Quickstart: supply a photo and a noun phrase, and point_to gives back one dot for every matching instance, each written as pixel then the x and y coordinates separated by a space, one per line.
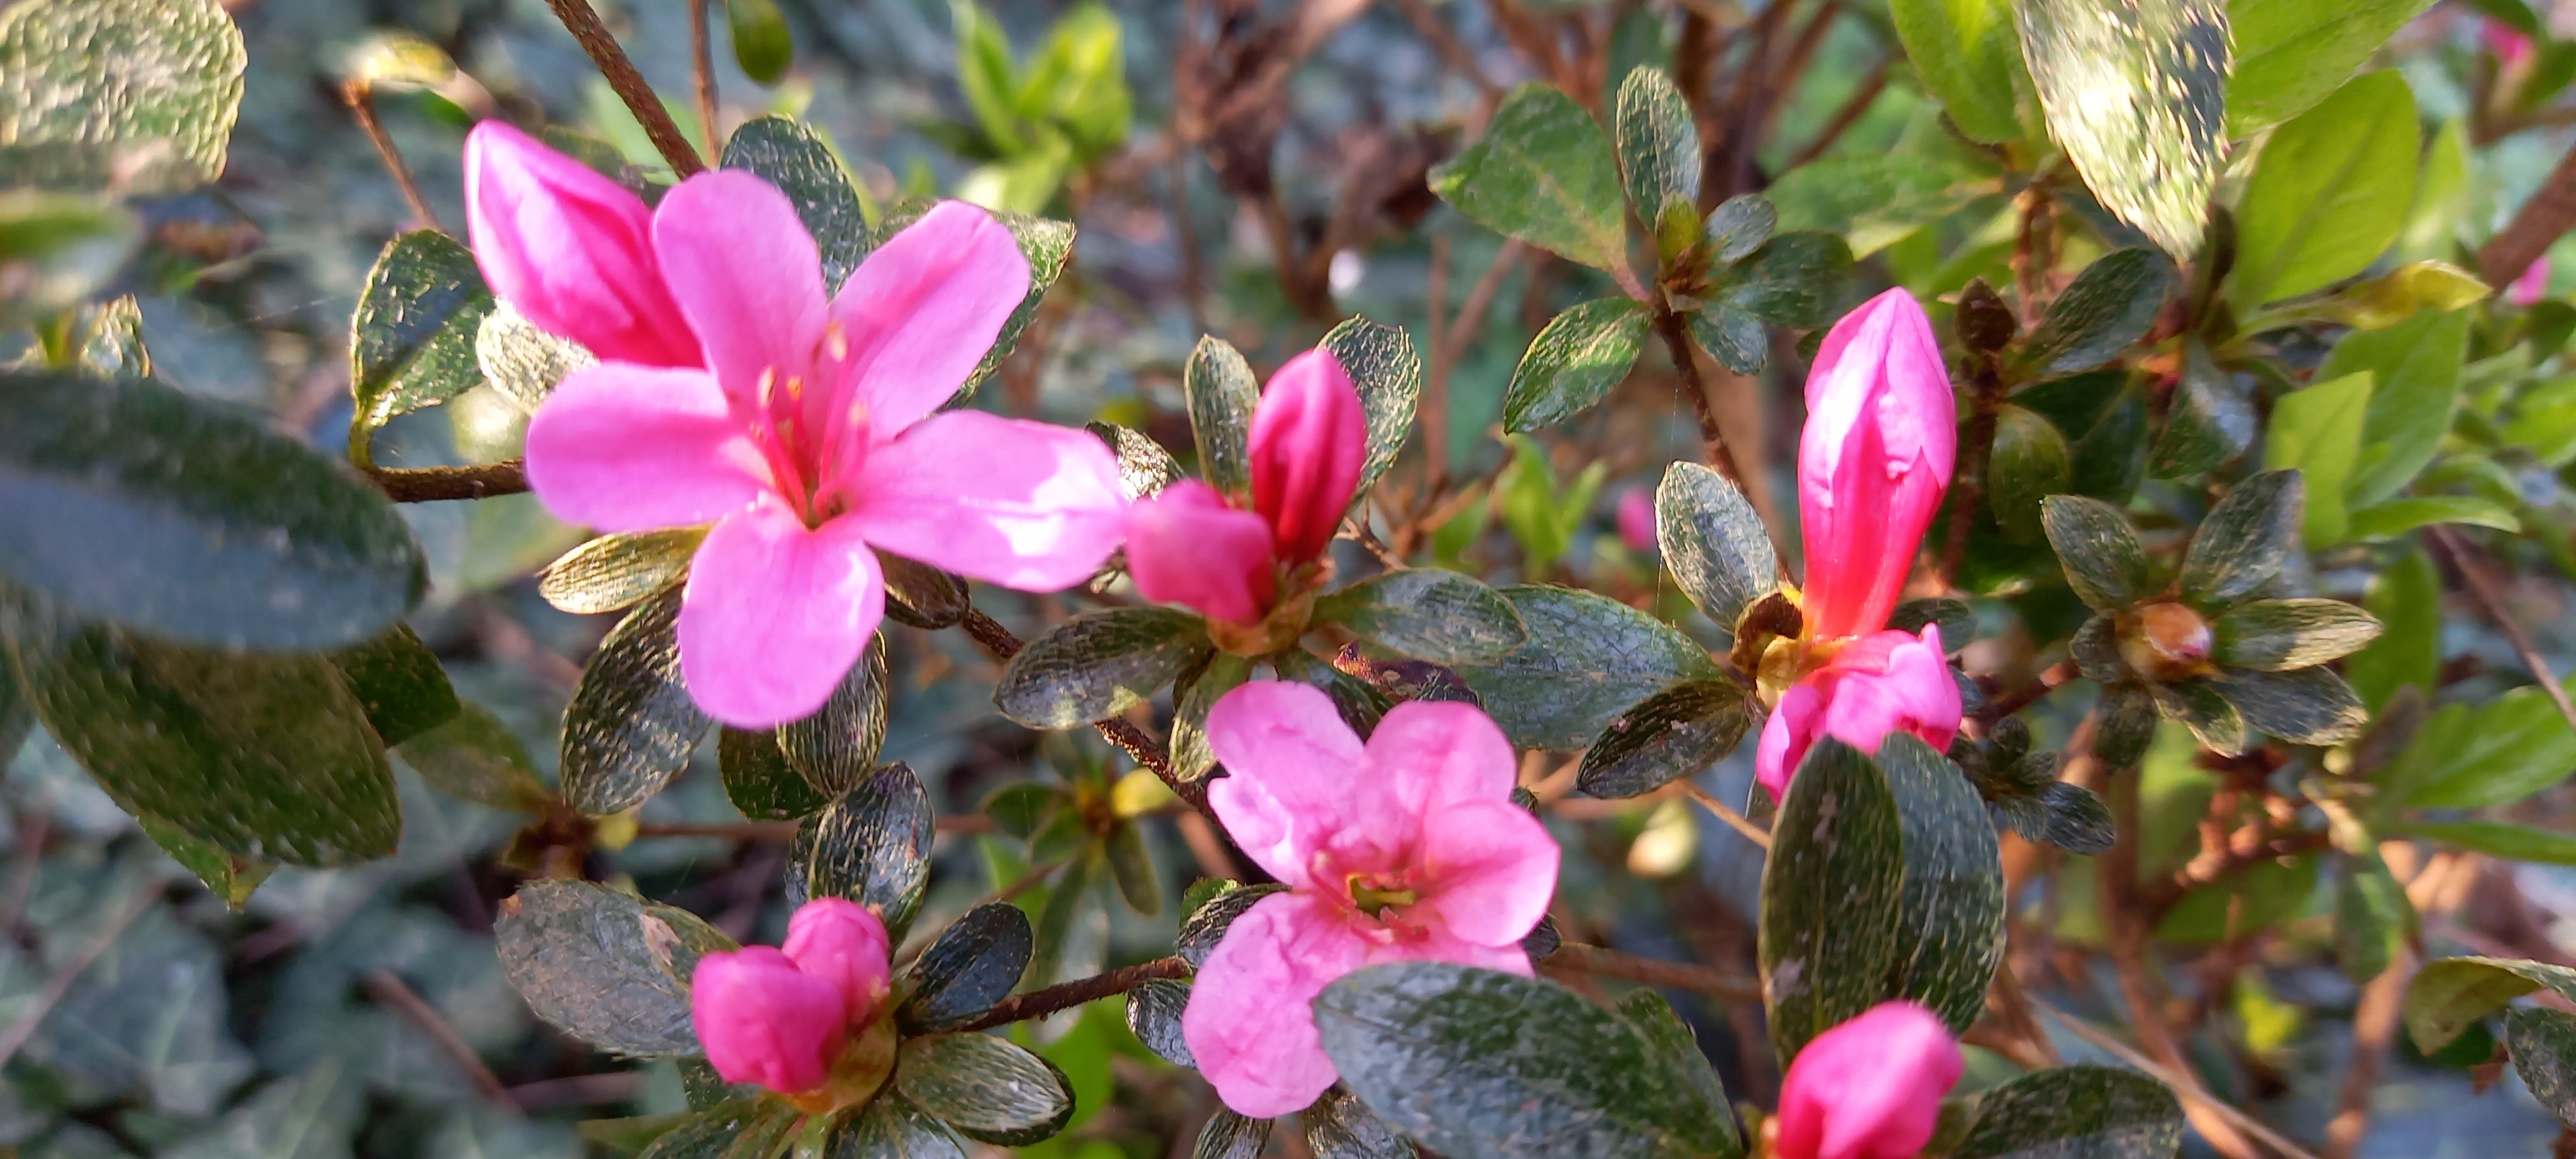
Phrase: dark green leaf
pixel 741 1129
pixel 1427 614
pixel 2277 635
pixel 1231 1136
pixel 2076 1112
pixel 229 876
pixel 2136 95
pixel 2415 379
pixel 2128 726
pixel 1387 372
pixel 2542 1043
pixel 2497 839
pixel 1956 617
pixel 1658 144
pixel 2105 563
pixel 1714 543
pixel 1678 1054
pixel 1543 173
pixel 890 1127
pixel 1739 225
pixel 477 758
pixel 1339 1126
pixel 631 725
pixel 1474 1062
pixel 1023 809
pixel 872 847
pixel 1673 734
pixel 2291 53
pixel 130 502
pixel 1730 335
pixel 1966 53
pixel 790 155
pixel 2306 706
pixel 920 595
pixel 1144 467
pixel 1950 930
pixel 2030 463
pixel 2109 306
pixel 2209 421
pixel 522 362
pixel 412 343
pixel 974 964
pixel 2243 540
pixel 2448 994
pixel 2211 717
pixel 1131 866
pixel 836 748
pixel 2406 599
pixel 758 779
pixel 1193 695
pixel 604 966
pixel 1833 892
pixel 2372 919
pixel 1206 925
pixel 614 572
pixel 2331 189
pixel 1587 658
pixel 1875 199
pixel 988 1089
pixel 1574 362
pixel 1097 664
pixel 1222 394
pixel 1154 1013
pixel 400 684
pixel 1796 280
pixel 763 47
pixel 138 93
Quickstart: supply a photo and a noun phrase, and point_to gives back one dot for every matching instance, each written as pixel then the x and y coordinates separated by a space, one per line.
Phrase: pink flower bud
pixel 1870 1088
pixel 2532 286
pixel 764 1021
pixel 2509 45
pixel 843 943
pixel 1882 431
pixel 1882 683
pixel 1637 518
pixel 572 250
pixel 1309 440
pixel 1186 547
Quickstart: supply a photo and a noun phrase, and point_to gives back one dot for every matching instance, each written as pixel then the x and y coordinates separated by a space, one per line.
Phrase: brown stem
pixel 1719 809
pixel 2029 257
pixel 1802 52
pixel 1850 114
pixel 2161 899
pixel 2049 680
pixel 999 641
pixel 1968 492
pixel 1576 958
pixel 583 23
pixel 361 99
pixel 1081 991
pixel 2550 212
pixel 2374 1028
pixel 388 990
pixel 1677 341
pixel 702 60
pixel 2180 1083
pixel 434 484
pixel 2472 567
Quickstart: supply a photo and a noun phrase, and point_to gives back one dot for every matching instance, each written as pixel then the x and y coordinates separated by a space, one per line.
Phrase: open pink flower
pixel 1870 1088
pixel 800 426
pixel 1405 847
pixel 1885 682
pixel 1192 546
pixel 1877 452
pixel 779 1017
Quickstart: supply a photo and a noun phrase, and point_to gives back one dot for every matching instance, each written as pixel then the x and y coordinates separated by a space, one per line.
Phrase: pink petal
pixel 571 249
pixel 1186 547
pixel 1250 1022
pixel 763 1021
pixel 1438 944
pixel 1870 1088
pixel 1438 753
pixel 1309 440
pixel 1490 870
pixel 1637 518
pixel 1874 458
pixel 1912 692
pixel 622 447
pixel 1011 502
pixel 747 274
pixel 922 310
pixel 844 943
pixel 2532 285
pixel 1293 775
pixel 1792 729
pixel 775 614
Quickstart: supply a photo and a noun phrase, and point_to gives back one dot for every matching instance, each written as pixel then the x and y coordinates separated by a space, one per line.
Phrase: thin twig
pixel 2550 212
pixel 1677 341
pixel 2050 679
pixel 1737 821
pixel 784 830
pixel 435 484
pixel 2029 257
pixel 1871 86
pixel 1002 644
pixel 583 23
pixel 1576 958
pixel 1968 492
pixel 361 98
pixel 2374 1028
pixel 388 990
pixel 2182 1086
pixel 702 59
pixel 61 983
pixel 1082 991
pixel 2472 568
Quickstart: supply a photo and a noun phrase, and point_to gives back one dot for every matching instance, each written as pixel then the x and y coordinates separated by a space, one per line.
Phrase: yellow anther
pixel 836 342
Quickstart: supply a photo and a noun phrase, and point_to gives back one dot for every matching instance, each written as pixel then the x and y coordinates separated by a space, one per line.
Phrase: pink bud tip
pixel 1309 440
pixel 1637 518
pixel 1870 1088
pixel 1186 547
pixel 764 1021
pixel 571 249
pixel 2508 44
pixel 1876 455
pixel 843 943
pixel 2532 286
pixel 1883 683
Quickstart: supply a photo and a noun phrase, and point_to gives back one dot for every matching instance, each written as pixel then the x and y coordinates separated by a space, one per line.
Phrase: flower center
pixel 810 449
pixel 1376 895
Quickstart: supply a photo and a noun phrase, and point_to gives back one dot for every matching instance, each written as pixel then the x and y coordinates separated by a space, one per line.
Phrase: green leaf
pixel 2244 540
pixel 974 964
pixel 130 502
pixel 1474 1062
pixel 631 725
pixel 1966 53
pixel 1427 614
pixel 737 1129
pixel 614 572
pixel 1222 394
pixel 1144 467
pixel 1677 1051
pixel 2402 293
pixel 2208 422
pixel 475 757
pixel 1950 927
pixel 2406 598
pixel 2276 635
pixel 2105 563
pixel 2395 517
pixel 2330 191
pixel 1587 658
pixel 1543 173
pixel 1154 1015
pixel 836 748
pixel 1097 664
pixel 1193 695
pixel 2415 376
pixel 1658 144
pixel 2372 919
pixel 1388 374
pixel 2075 1112
pixel 1956 617
pixel 872 847
pixel 1731 336
pixel 2108 307
pixel 988 1089
pixel 1713 542
pixel 2450 993
pixel 2317 431
pixel 412 343
pixel 762 46
pixel 2304 706
pixel 1796 279
pixel 1574 362
pixel 2136 95
pixel 1207 922
pixel 790 155
pixel 1339 1126
pixel 522 362
pixel 2542 1043
pixel 1876 199
pixel 2030 462
pixel 1833 893
pixel 1673 734
pixel 890 1127
pixel 140 94
pixel 2472 756
pixel 758 780
pixel 2291 53
pixel 1132 868
pixel 267 757
pixel 1228 1135
pixel 605 966
pixel 399 683
pixel 920 595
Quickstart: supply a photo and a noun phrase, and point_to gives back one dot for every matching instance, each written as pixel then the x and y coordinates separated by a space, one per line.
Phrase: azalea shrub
pixel 1945 578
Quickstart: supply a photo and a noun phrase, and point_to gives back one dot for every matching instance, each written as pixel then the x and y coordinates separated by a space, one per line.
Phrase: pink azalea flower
pixel 1870 1088
pixel 1406 847
pixel 2532 286
pixel 1637 518
pixel 1192 546
pixel 779 1017
pixel 801 427
pixel 1885 682
pixel 1877 452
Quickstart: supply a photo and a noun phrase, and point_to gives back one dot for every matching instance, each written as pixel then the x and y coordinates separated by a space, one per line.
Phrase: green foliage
pixel 2291 53
pixel 762 45
pixel 1833 893
pixel 2330 191
pixel 2096 1112
pixel 1574 361
pixel 1427 614
pixel 1543 172
pixel 138 93
pixel 792 156
pixel 1714 543
pixel 413 343
pixel 606 967
pixel 1968 54
pixel 2136 95
pixel 1587 658
pixel 1097 664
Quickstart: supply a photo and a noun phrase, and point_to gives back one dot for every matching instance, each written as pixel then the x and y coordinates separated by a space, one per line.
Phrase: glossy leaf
pixel 1382 364
pixel 988 1089
pixel 758 779
pixel 1833 893
pixel 2276 635
pixel 872 847
pixel 2317 432
pixel 2030 462
pixel 614 572
pixel 1228 1135
pixel 762 45
pixel 836 747
pixel 2108 307
pixel 891 1127
pixel 1797 279
pixel 2415 376
pixel 399 682
pixel 2243 541
pixel 1097 664
pixel 2075 1112
pixel 974 964
pixel 522 362
pixel 2450 993
pixel 1427 614
pixel 790 155
pixel 2306 706
pixel 1950 931
pixel 1968 54
pixel 1154 1014
pixel 2208 422
pixel 920 595
pixel 1222 393
pixel 2542 1043
pixel 1713 542
pixel 141 93
pixel 2136 95
pixel 631 726
pixel 2396 517
pixel 1193 695
pixel 1543 172
pixel 412 344
pixel 605 966
pixel 1574 362
pixel 2471 756
pixel 2330 191
pixel 1658 145
pixel 2105 563
pixel 1588 657
pixel 1144 467
pixel 1673 734
pixel 2291 53
pixel 1339 1126
pixel 477 758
